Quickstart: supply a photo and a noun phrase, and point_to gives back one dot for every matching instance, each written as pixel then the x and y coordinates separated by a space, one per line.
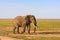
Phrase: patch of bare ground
pixel 38 33
pixel 7 38
pixel 44 33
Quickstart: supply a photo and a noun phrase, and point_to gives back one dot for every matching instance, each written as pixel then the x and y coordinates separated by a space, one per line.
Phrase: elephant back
pixel 19 20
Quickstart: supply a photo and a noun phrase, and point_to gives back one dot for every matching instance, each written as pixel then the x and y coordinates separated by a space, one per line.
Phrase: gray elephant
pixel 24 21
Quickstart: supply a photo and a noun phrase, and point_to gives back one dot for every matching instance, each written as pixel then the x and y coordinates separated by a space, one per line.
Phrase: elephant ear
pixel 28 19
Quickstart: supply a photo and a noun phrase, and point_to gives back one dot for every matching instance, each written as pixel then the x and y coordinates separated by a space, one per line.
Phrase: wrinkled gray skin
pixel 24 21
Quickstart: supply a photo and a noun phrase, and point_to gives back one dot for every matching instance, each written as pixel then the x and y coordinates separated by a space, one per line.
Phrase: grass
pixel 49 24
pixel 5 22
pixel 43 25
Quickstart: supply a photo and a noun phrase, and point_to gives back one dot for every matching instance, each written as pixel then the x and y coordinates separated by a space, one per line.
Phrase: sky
pixel 43 9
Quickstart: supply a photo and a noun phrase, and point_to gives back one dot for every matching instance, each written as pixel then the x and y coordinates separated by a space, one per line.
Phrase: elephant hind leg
pixel 14 30
pixel 16 27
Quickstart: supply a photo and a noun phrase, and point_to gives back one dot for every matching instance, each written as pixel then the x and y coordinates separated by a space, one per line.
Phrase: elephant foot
pixel 18 32
pixel 22 32
pixel 28 32
pixel 14 33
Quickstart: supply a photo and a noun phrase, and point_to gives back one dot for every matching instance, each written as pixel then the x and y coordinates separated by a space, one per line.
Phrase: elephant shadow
pixel 49 33
pixel 46 33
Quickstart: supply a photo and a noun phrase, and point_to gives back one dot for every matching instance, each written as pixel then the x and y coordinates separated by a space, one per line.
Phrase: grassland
pixel 6 27
pixel 5 22
pixel 43 24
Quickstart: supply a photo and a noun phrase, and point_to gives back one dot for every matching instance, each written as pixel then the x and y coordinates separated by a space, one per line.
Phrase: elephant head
pixel 32 19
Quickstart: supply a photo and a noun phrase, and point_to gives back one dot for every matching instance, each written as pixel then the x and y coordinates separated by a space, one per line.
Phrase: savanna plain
pixel 47 29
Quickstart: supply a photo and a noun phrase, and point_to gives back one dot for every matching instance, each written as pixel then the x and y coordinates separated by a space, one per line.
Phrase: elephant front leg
pixel 29 30
pixel 34 29
pixel 28 27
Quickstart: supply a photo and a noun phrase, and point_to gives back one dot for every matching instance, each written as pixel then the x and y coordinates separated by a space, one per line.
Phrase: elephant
pixel 24 21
